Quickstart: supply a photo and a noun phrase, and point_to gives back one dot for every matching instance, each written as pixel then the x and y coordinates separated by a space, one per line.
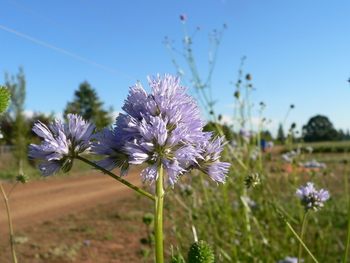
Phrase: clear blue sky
pixel 298 52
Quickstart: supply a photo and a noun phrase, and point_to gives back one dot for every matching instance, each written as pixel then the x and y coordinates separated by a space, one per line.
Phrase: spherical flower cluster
pixel 164 128
pixel 62 143
pixel 310 198
pixel 313 164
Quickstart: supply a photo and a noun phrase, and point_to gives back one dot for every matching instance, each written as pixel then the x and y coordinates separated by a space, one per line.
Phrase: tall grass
pixel 261 224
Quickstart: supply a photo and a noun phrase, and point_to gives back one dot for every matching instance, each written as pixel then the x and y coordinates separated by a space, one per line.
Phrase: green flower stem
pixel 301 236
pixel 158 220
pixel 289 226
pixel 10 224
pixel 117 178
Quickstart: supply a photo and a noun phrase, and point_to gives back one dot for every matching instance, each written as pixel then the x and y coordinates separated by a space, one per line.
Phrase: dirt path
pixel 39 201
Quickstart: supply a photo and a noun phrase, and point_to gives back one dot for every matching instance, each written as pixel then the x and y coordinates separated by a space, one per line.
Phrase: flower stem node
pixel 23 178
pixel 200 252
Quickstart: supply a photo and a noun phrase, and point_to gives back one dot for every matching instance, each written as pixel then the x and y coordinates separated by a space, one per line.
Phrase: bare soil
pixel 90 218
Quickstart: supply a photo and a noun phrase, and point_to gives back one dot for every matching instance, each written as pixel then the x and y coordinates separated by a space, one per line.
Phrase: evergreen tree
pixel 87 104
pixel 280 133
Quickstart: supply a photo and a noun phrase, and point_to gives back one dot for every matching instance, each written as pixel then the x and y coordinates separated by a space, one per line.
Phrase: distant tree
pixel 87 104
pixel 319 128
pixel 280 133
pixel 13 121
pixel 341 135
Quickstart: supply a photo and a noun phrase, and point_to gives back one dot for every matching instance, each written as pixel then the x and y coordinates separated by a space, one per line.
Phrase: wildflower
pixel 87 242
pixel 183 17
pixel 309 149
pixel 310 198
pixel 289 260
pixel 62 143
pixel 210 163
pixel 287 157
pixel 165 128
pixel 313 164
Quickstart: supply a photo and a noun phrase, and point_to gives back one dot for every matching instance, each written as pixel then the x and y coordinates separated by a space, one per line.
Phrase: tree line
pixel 15 125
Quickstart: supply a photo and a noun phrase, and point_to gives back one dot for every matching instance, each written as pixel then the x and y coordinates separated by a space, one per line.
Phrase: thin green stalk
pixel 210 210
pixel 117 178
pixel 158 220
pixel 301 236
pixel 10 224
pixel 289 226
pixel 249 107
pixel 8 196
pixel 247 219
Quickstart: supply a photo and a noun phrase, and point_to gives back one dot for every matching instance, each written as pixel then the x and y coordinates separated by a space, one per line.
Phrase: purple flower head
pixel 163 127
pixel 290 260
pixel 61 144
pixel 210 163
pixel 183 17
pixel 310 198
pixel 309 149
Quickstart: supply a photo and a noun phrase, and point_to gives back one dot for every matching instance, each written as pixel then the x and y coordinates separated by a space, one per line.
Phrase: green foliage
pixel 87 104
pixel 14 119
pixel 319 128
pixel 280 133
pixel 220 129
pixel 4 99
pixel 176 257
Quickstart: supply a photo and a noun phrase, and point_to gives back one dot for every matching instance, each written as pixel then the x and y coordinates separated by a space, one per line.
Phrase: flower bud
pixel 200 252
pixel 252 180
pixel 23 178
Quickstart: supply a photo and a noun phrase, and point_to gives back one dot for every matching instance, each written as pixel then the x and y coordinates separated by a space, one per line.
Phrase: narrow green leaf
pixel 4 99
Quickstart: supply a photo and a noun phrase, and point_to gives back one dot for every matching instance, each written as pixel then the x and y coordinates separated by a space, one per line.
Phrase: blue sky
pixel 298 52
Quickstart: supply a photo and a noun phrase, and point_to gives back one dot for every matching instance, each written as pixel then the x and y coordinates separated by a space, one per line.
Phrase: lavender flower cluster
pixel 313 164
pixel 310 198
pixel 161 128
pixel 165 128
pixel 62 143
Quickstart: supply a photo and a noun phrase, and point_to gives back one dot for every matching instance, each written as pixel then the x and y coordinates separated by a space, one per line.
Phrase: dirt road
pixel 38 201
